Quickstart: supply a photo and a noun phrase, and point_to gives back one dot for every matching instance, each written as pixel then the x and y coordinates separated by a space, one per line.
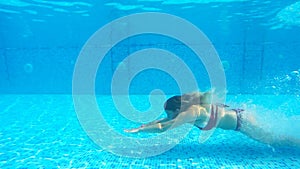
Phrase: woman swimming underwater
pixel 196 108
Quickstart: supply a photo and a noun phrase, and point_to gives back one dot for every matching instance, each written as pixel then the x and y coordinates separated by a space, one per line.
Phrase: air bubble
pixel 288 78
pixel 295 73
pixel 226 65
pixel 28 68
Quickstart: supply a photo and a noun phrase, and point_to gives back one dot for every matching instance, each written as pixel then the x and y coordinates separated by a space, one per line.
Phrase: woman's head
pixel 176 104
pixel 172 106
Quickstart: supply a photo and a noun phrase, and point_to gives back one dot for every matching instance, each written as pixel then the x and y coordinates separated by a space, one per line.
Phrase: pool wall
pixel 38 56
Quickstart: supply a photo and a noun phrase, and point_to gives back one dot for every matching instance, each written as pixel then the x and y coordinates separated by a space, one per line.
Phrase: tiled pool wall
pixel 253 68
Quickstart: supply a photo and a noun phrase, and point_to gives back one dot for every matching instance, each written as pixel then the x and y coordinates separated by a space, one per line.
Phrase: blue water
pixel 257 43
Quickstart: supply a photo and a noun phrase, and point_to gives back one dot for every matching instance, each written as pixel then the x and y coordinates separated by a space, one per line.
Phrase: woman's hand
pixel 134 130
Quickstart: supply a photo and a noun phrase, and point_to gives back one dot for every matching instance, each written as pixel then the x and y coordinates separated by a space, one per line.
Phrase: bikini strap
pixel 212 122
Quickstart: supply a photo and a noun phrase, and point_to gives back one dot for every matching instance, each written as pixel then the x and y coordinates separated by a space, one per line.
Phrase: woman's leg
pixel 256 130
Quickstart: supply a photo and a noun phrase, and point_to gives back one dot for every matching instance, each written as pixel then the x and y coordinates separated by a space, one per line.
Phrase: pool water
pixel 49 51
pixel 42 131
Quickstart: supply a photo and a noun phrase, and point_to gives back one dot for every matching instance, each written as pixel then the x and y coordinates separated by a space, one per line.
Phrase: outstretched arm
pixel 184 117
pixel 157 121
pixel 150 126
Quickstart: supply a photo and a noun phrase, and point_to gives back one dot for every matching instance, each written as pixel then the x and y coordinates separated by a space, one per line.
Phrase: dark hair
pixel 185 101
pixel 173 103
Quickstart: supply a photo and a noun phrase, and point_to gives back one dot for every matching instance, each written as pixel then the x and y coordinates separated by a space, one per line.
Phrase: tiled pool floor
pixel 43 131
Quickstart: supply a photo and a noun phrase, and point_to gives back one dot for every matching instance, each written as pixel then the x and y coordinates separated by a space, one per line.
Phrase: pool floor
pixel 43 131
